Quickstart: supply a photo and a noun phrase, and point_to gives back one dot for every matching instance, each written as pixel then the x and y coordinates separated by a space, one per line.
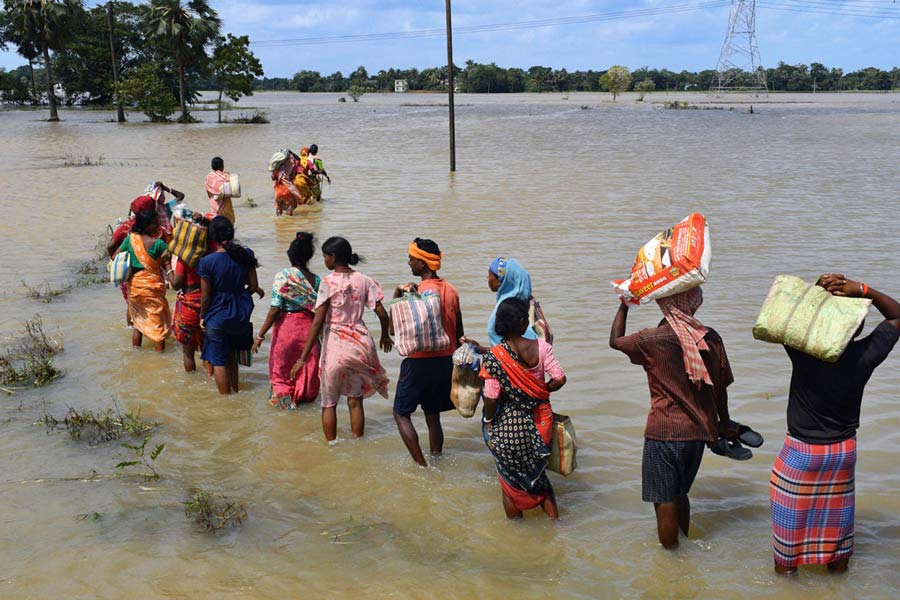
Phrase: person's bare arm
pixel 253 283
pixel 460 333
pixel 839 285
pixel 386 343
pixel 555 384
pixel 273 313
pixel 314 329
pixel 618 325
pixel 205 296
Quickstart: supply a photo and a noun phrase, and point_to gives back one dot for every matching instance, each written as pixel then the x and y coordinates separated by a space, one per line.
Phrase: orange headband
pixel 432 261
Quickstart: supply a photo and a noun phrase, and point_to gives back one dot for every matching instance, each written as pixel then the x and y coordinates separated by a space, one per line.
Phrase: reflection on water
pixel 795 188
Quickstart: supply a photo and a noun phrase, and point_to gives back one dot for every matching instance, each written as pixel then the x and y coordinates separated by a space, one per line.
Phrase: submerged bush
pixel 99 427
pixel 28 361
pixel 213 512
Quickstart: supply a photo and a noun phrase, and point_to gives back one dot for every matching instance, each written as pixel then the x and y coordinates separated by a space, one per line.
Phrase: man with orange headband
pixel 425 377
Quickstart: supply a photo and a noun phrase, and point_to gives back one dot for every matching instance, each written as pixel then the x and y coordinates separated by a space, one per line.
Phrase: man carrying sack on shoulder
pixel 813 481
pixel 220 204
pixel 425 377
pixel 688 373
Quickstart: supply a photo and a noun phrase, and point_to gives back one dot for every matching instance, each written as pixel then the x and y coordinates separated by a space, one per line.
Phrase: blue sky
pixel 690 39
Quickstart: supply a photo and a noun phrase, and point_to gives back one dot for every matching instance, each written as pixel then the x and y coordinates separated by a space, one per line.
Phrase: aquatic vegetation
pixel 99 427
pixel 250 202
pixel 259 117
pixel 28 361
pixel 142 459
pixel 45 293
pixel 84 160
pixel 678 105
pixel 213 512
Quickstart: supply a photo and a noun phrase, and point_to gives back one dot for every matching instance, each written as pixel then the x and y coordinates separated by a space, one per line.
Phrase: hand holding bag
pixel 416 319
pixel 563 446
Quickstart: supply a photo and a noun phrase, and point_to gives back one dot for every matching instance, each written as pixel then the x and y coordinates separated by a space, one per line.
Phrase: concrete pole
pixel 450 91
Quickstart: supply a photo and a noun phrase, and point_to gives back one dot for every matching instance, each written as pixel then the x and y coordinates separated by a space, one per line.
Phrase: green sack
pixel 807 318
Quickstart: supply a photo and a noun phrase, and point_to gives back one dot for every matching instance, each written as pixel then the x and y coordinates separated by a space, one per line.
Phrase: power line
pixel 422 33
pixel 880 9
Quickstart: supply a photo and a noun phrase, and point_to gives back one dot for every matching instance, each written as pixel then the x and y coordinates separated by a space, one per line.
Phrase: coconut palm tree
pixel 186 29
pixel 39 26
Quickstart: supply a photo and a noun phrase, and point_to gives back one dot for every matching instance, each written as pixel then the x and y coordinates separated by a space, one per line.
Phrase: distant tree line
pixel 490 78
pixel 154 57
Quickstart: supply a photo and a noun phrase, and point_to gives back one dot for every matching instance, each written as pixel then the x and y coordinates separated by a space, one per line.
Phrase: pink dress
pixel 349 364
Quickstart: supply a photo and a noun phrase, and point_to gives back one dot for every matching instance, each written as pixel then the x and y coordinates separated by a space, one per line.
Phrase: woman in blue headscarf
pixel 510 280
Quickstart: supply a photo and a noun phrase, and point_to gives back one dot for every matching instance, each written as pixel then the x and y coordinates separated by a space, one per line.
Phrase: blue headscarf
pixel 515 282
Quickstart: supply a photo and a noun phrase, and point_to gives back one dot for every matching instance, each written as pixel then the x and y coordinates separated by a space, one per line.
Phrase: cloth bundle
pixel 465 389
pixel 808 318
pixel 674 261
pixel 417 323
pixel 188 242
pixel 563 446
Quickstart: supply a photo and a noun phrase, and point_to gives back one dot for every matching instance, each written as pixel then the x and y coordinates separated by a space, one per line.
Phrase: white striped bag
pixel 119 268
pixel 416 319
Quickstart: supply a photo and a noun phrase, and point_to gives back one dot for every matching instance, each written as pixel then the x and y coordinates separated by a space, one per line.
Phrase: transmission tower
pixel 740 53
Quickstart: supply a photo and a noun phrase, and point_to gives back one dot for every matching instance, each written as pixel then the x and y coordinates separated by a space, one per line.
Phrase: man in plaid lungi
pixel 812 487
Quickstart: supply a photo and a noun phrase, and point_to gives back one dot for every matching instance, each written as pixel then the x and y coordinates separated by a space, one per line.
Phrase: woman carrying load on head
pixel 283 166
pixel 304 179
pixel 519 374
pixel 290 318
pixel 147 303
pixel 227 282
pixel 509 279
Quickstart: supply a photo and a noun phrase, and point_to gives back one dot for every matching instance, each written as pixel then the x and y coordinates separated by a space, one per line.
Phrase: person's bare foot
pixel 783 570
pixel 839 566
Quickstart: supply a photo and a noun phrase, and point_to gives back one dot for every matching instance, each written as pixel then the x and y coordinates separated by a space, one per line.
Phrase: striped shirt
pixel 679 411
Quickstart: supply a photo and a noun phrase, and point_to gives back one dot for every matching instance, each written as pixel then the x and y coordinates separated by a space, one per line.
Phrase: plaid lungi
pixel 812 491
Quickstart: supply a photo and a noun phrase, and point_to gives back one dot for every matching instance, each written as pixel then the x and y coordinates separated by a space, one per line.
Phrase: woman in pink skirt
pixel 349 364
pixel 290 317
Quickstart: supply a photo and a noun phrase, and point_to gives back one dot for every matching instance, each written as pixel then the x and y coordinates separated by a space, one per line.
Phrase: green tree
pixel 616 80
pixel 36 27
pixel 186 29
pixel 307 81
pixel 356 91
pixel 234 67
pixel 644 86
pixel 147 91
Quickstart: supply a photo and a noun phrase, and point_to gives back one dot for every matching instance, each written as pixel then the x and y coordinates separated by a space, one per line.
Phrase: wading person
pixel 290 317
pixel 186 315
pixel 138 205
pixel 147 303
pixel 220 204
pixel 227 282
pixel 349 364
pixel 812 485
pixel 688 373
pixel 425 377
pixel 320 171
pixel 519 375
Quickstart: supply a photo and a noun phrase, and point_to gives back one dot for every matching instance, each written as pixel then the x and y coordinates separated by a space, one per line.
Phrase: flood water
pixel 805 185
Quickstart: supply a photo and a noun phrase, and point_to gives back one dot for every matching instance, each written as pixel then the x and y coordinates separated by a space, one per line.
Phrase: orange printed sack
pixel 674 261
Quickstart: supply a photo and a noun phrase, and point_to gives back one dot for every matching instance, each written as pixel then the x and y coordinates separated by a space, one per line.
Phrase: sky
pixel 672 34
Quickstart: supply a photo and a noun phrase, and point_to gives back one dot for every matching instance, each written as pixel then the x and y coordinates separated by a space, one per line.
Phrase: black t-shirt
pixel 824 401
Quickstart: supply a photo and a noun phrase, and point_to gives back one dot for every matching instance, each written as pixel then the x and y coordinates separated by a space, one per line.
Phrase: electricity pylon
pixel 740 53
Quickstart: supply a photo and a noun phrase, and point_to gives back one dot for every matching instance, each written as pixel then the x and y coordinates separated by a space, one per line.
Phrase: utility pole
pixel 120 112
pixel 450 86
pixel 740 52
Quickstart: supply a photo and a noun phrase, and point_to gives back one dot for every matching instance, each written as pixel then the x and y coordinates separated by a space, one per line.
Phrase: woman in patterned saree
pixel 518 421
pixel 290 317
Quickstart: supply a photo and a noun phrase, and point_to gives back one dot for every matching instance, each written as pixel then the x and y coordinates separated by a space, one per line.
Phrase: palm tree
pixel 187 29
pixel 110 23
pixel 38 26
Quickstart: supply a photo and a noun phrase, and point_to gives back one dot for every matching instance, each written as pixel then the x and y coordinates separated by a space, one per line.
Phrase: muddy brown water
pixel 807 184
